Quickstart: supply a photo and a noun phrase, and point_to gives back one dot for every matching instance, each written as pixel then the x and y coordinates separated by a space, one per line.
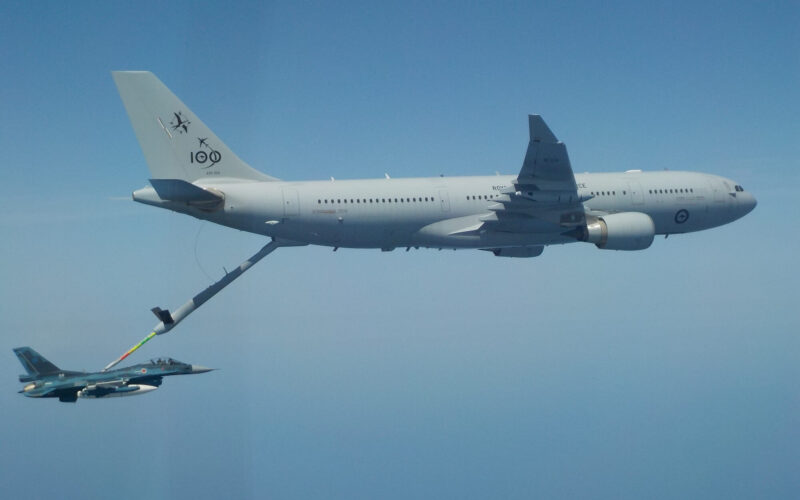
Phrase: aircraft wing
pixel 544 194
pixel 546 166
pixel 110 384
pixel 66 389
pixel 154 380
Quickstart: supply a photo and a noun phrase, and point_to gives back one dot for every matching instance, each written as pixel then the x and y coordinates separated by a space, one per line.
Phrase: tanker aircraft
pixel 195 173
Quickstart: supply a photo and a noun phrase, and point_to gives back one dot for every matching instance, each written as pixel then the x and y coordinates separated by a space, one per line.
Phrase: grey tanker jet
pixel 46 380
pixel 195 173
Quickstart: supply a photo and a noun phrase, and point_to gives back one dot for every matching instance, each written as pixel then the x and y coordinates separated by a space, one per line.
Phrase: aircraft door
pixel 720 197
pixel 291 202
pixel 637 195
pixel 444 200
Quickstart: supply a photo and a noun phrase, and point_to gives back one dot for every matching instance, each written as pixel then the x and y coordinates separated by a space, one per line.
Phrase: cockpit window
pixel 163 361
pixel 738 188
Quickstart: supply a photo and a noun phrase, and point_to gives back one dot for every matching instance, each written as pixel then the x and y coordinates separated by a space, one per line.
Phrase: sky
pixel 667 373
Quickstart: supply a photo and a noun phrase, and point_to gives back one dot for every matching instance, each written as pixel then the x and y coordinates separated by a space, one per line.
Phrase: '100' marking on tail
pixel 201 157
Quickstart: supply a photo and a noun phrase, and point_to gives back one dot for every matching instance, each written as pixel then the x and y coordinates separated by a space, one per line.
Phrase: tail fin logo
pixel 179 123
pixel 205 154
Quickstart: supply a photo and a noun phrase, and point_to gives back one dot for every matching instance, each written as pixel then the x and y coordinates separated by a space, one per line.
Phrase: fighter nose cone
pixel 200 369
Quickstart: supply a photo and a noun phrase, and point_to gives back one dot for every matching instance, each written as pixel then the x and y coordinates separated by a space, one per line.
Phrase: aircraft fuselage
pixel 438 212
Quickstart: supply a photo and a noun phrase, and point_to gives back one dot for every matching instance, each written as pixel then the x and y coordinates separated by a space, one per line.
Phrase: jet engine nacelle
pixel 622 231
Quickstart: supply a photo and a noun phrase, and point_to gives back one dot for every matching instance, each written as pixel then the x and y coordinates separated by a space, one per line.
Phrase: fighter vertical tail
pixel 34 363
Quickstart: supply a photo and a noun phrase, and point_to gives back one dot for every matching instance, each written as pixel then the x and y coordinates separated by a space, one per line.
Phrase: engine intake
pixel 623 231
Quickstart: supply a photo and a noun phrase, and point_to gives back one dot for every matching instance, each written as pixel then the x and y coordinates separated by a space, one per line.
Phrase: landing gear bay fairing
pixel 46 380
pixel 195 173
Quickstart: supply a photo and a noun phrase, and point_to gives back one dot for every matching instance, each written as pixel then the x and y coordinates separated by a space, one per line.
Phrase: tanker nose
pixel 746 201
pixel 200 369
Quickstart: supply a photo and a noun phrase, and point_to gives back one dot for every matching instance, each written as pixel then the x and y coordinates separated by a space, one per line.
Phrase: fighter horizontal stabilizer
pixel 163 315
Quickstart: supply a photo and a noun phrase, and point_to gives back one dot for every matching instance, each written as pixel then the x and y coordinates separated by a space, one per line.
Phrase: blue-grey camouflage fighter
pixel 46 380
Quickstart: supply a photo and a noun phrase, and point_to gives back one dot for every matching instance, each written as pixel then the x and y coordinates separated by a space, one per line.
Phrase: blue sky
pixel 358 374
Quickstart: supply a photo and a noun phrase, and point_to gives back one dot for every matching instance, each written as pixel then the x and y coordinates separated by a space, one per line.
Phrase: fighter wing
pixel 544 190
pixel 110 384
pixel 154 380
pixel 65 390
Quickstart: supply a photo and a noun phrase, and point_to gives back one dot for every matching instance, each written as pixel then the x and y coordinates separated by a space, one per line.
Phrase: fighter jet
pixel 46 380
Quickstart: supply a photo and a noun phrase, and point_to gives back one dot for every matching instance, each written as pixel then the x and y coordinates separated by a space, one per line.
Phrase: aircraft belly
pixel 470 232
pixel 490 240
pixel 349 230
pixel 376 231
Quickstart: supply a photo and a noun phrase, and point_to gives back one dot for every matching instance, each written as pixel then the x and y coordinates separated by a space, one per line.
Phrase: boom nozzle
pixel 163 315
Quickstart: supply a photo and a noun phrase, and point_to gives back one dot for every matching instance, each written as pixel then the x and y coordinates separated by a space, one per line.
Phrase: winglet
pixel 539 130
pixel 546 164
